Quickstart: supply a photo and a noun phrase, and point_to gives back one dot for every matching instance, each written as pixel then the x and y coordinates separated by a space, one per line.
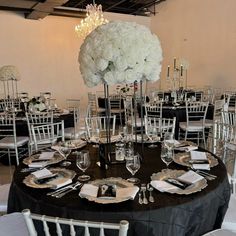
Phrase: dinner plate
pixel 62 176
pixel 183 158
pixel 34 158
pixel 118 182
pixel 169 173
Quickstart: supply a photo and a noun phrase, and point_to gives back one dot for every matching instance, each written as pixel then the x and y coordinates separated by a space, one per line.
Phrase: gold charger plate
pixel 168 173
pixel 183 159
pixel 119 182
pixel 63 175
pixel 55 159
pixel 74 144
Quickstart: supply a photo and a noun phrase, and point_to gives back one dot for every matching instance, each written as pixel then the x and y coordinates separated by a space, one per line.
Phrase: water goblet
pixel 133 165
pixel 152 134
pixel 166 157
pixel 83 162
pixel 65 152
pixel 169 141
pixel 97 137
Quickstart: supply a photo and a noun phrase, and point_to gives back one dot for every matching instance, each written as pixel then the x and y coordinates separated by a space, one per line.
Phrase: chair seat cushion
pixel 8 142
pixel 191 126
pixel 13 225
pixel 4 192
pixel 230 216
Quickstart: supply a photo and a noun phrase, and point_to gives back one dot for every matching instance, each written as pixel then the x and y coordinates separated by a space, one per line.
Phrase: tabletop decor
pixel 9 75
pixel 37 104
pixel 120 52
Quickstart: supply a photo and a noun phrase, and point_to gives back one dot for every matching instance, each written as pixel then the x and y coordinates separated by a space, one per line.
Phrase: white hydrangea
pixel 120 52
pixel 9 73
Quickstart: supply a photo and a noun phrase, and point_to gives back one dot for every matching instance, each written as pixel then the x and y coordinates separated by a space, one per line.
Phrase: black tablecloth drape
pixel 169 215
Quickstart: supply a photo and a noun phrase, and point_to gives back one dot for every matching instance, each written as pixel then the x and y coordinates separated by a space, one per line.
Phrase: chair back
pixel 196 111
pixel 47 134
pixel 162 125
pixel 92 104
pixel 115 102
pixel 101 123
pixel 122 227
pixel 218 109
pixel 229 117
pixel 153 109
pixel 73 104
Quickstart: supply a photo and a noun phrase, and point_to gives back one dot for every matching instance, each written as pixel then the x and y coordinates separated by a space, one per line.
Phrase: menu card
pixel 199 156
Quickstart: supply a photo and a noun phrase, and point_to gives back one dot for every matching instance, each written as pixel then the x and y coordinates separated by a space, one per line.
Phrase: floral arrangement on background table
pixel 120 52
pixel 9 72
pixel 37 104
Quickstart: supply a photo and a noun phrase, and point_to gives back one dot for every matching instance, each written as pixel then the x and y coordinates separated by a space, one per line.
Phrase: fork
pixel 143 189
pixel 72 188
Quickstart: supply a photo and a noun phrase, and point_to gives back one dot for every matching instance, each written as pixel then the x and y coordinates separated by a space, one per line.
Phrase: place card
pixel 191 177
pixel 199 156
pixel 46 155
pixel 42 173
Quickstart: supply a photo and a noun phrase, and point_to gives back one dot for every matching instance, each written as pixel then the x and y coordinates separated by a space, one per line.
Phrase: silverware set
pixel 143 199
pixel 206 175
pixel 65 190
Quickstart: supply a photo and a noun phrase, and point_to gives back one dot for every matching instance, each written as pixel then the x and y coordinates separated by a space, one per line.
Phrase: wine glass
pixel 169 143
pixel 83 162
pixel 133 165
pixel 165 156
pixel 152 134
pixel 97 137
pixel 65 152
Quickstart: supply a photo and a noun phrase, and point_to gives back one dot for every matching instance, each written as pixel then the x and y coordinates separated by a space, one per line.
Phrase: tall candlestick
pixel 181 70
pixel 174 63
pixel 168 71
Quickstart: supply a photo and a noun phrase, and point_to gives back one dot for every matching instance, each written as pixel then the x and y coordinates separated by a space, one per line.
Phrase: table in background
pixel 171 214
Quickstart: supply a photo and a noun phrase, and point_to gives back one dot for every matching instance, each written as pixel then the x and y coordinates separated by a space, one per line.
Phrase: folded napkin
pixel 59 182
pixel 89 190
pixel 186 148
pixel 46 155
pixel 199 156
pixel 189 177
pixel 42 173
pixel 38 164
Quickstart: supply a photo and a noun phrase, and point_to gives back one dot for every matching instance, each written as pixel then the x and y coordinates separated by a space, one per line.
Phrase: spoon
pixel 150 189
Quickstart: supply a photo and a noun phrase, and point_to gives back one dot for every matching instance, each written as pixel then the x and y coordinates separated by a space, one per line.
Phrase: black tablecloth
pixel 171 214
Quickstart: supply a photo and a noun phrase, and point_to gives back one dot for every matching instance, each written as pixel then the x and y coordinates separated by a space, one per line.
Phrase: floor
pixel 6 173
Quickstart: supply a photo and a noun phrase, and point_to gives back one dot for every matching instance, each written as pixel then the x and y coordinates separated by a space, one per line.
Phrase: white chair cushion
pixel 4 192
pixel 192 126
pixel 220 232
pixel 8 142
pixel 208 123
pixel 230 217
pixel 13 225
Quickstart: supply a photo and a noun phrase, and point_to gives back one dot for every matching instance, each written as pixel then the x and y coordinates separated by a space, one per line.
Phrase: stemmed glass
pixel 97 137
pixel 152 134
pixel 133 165
pixel 167 149
pixel 65 152
pixel 83 162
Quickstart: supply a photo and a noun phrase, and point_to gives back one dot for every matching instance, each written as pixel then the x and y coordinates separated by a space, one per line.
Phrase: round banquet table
pixel 169 215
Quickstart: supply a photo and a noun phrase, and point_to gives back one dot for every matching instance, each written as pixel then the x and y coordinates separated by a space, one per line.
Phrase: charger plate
pixel 119 182
pixel 183 159
pixel 55 159
pixel 168 173
pixel 74 144
pixel 63 175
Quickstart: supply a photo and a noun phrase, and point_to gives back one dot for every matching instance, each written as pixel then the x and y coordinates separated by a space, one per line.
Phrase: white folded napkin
pixel 188 177
pixel 42 173
pixel 59 182
pixel 46 155
pixel 186 148
pixel 195 155
pixel 191 177
pixel 38 164
pixel 89 190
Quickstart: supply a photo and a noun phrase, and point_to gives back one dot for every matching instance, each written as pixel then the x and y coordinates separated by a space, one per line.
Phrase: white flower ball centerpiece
pixel 120 52
pixel 9 73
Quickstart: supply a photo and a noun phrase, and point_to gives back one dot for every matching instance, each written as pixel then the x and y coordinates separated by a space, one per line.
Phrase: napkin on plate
pixel 89 190
pixel 188 148
pixel 42 173
pixel 188 177
pixel 38 164
pixel 199 156
pixel 46 156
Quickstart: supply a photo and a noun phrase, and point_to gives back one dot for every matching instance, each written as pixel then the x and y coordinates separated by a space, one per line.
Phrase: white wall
pixel 203 32
pixel 46 53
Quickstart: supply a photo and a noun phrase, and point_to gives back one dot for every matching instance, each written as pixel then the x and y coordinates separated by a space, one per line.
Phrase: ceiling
pixel 39 9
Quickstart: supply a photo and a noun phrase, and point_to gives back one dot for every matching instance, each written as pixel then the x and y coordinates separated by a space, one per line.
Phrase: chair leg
pixel 186 135
pixel 17 156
